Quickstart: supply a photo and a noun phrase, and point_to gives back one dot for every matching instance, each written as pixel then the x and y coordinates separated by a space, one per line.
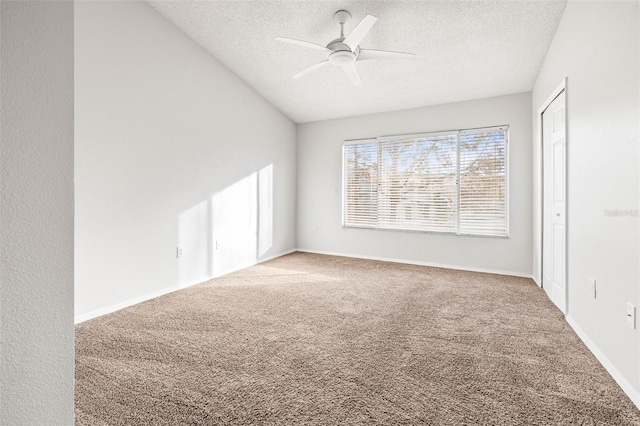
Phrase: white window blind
pixel 483 169
pixel 361 183
pixel 452 182
pixel 417 183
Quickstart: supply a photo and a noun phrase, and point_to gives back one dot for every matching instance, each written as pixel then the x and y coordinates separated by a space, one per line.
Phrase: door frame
pixel 560 90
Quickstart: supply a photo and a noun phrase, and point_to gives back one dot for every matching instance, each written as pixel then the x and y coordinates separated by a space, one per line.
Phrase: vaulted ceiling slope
pixel 465 50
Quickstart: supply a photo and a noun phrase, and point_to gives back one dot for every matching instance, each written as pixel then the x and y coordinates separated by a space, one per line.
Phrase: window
pixel 454 182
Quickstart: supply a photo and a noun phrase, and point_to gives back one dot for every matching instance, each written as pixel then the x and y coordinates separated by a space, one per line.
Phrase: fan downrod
pixel 342 17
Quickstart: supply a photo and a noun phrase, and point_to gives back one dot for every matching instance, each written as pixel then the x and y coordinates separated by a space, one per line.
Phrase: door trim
pixel 538 214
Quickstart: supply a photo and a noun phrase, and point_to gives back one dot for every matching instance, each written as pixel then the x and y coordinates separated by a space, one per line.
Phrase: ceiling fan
pixel 345 51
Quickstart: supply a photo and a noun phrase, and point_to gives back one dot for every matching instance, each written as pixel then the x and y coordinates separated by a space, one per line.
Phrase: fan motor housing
pixel 341 54
pixel 338 45
pixel 342 58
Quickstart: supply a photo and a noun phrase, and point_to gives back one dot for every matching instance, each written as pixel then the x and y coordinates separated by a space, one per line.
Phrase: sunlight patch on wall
pixel 228 231
pixel 265 209
pixel 194 239
pixel 235 212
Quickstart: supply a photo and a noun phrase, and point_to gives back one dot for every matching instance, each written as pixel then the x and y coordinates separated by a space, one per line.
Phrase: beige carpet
pixel 320 340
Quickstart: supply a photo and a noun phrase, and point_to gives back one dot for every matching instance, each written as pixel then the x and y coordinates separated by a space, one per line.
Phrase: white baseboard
pixel 413 262
pixel 627 388
pixel 126 303
pixel 282 253
pixel 134 301
pixel 536 280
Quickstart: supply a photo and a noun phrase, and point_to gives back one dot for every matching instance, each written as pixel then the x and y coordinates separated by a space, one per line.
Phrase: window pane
pixel 418 183
pixel 483 183
pixel 443 182
pixel 361 184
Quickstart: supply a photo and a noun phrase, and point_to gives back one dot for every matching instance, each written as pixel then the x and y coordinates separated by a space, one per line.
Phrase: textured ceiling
pixel 465 50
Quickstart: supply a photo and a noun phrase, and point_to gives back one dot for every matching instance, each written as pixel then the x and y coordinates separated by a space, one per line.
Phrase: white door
pixel 554 202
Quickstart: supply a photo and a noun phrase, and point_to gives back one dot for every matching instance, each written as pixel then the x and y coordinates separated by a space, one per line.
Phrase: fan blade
pixel 383 54
pixel 352 73
pixel 358 33
pixel 302 43
pixel 311 68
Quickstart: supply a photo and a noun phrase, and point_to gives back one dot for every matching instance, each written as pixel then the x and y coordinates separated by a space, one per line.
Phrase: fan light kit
pixel 345 51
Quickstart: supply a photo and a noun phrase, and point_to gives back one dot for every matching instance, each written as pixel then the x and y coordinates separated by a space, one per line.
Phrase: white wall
pixel 36 213
pixel 596 47
pixel 171 149
pixel 320 191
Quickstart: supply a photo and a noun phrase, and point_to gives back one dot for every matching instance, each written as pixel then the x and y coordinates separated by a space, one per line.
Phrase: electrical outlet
pixel 179 252
pixel 218 245
pixel 631 315
pixel 592 287
pixel 314 229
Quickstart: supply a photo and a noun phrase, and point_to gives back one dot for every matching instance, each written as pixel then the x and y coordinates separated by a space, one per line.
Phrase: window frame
pixel 457 133
pixel 344 181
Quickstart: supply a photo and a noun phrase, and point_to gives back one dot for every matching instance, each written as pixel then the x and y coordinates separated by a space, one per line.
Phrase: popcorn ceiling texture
pixel 322 340
pixel 36 211
pixel 466 50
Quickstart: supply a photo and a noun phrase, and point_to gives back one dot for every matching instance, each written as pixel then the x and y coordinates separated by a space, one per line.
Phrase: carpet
pixel 310 339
